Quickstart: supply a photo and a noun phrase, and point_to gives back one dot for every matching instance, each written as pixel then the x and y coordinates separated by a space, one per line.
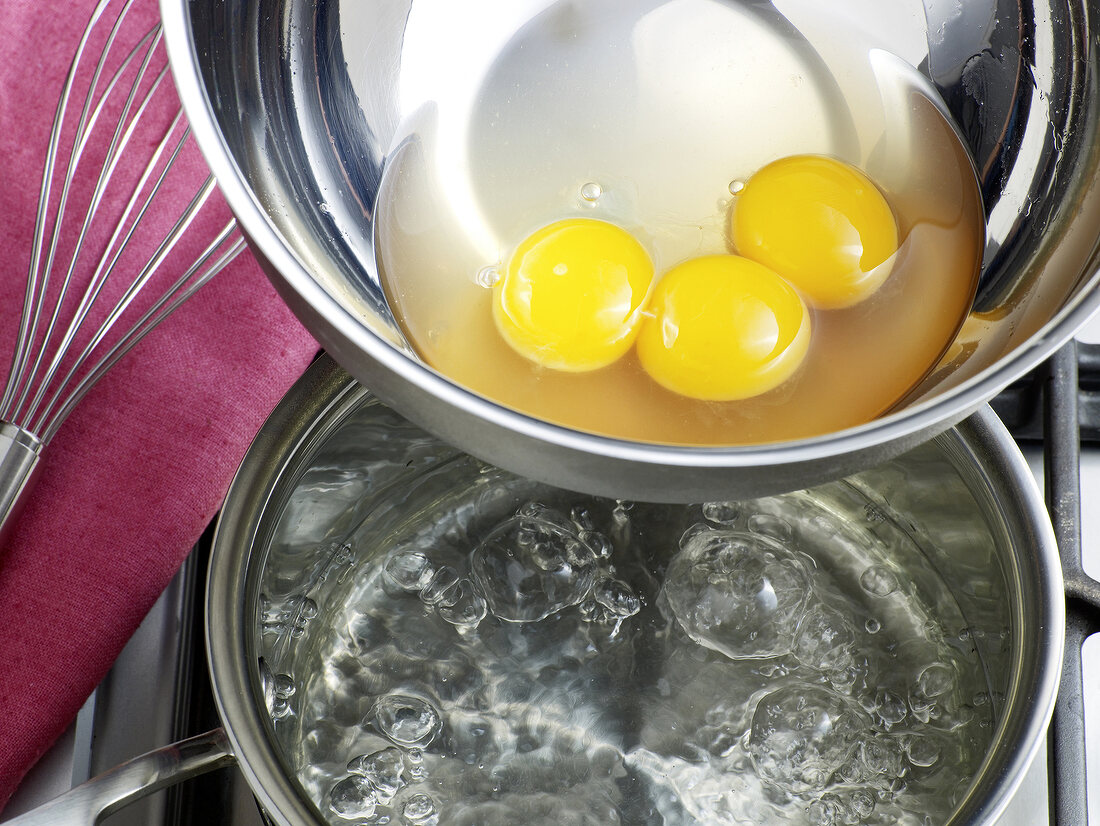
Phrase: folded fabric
pixel 140 468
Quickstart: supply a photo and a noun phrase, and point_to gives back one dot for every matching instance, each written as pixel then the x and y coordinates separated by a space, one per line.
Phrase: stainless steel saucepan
pixel 299 105
pixel 946 547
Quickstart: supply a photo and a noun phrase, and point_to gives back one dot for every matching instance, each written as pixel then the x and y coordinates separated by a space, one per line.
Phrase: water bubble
pixel 407 721
pixel 530 567
pixel 414 759
pixel 922 750
pixel 473 740
pixel 407 570
pixel 824 639
pixel 936 681
pixel 737 593
pixel 767 525
pixel 419 808
pixel 878 581
pixel 617 597
pixel 384 769
pixel 468 608
pixel 736 187
pixel 442 588
pixel 599 544
pixel 544 513
pixel 277 689
pixel 722 513
pixel 872 625
pixel 881 757
pixel 284 686
pixel 591 192
pixel 487 276
pixel 800 735
pixel 826 810
pixel 367 631
pixel 889 708
pixel 353 798
pixel 692 530
pixel 589 610
pixel 581 517
pixel 861 805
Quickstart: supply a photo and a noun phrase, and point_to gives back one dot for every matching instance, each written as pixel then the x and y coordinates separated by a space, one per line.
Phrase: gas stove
pixel 158 691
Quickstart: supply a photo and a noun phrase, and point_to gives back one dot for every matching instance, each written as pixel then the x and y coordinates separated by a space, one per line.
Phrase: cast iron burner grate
pixel 1058 405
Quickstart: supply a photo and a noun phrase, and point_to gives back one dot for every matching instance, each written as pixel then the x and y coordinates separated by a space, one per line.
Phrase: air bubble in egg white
pixel 487 276
pixel 736 187
pixel 591 192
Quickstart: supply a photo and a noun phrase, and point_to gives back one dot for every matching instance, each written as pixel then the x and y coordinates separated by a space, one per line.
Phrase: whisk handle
pixel 19 454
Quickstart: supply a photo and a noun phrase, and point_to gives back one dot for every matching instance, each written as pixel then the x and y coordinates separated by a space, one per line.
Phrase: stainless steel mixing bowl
pixel 284 572
pixel 298 134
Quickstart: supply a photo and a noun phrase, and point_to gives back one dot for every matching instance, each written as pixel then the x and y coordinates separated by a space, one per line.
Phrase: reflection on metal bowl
pixel 298 107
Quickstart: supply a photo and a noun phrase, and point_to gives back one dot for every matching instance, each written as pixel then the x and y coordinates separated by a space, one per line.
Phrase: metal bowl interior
pixel 296 105
pixel 335 481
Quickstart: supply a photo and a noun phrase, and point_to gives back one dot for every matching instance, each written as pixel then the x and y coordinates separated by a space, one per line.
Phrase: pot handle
pixel 87 803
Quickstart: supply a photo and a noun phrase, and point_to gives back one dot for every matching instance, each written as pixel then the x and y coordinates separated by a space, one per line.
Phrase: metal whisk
pixel 108 170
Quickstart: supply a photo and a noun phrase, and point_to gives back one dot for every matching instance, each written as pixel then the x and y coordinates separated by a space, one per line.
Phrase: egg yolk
pixel 571 294
pixel 721 328
pixel 821 224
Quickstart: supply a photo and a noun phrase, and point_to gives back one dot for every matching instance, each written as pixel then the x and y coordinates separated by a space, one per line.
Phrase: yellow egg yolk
pixel 571 294
pixel 721 328
pixel 821 224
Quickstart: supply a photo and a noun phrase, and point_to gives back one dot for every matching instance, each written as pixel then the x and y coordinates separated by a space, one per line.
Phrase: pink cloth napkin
pixel 141 466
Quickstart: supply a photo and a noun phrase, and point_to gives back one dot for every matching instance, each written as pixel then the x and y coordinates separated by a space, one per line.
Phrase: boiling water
pixel 650 114
pixel 494 651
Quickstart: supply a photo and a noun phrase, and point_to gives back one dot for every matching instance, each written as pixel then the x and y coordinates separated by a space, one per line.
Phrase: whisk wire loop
pixel 185 287
pixel 55 361
pixel 38 275
pixel 105 266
